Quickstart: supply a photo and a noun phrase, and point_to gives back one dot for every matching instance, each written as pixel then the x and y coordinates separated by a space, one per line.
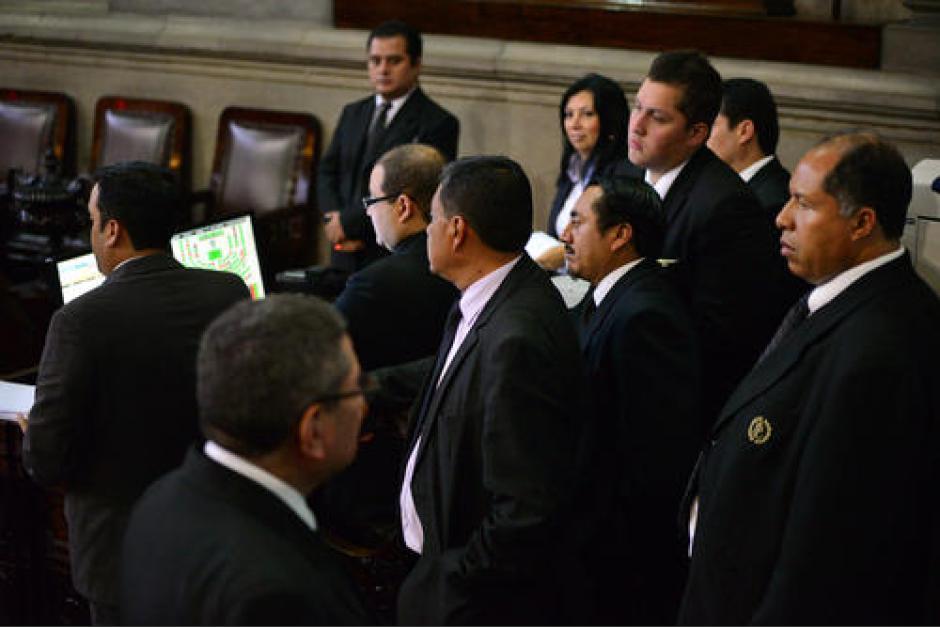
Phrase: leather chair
pixel 265 164
pixel 129 129
pixel 32 122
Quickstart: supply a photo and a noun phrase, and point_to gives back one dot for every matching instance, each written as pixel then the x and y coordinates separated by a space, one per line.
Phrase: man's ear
pixel 459 230
pixel 745 131
pixel 623 236
pixel 698 133
pixel 404 208
pixel 863 222
pixel 313 432
pixel 113 232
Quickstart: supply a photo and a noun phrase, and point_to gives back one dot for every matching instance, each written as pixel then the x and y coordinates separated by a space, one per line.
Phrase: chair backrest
pixel 31 122
pixel 264 160
pixel 130 129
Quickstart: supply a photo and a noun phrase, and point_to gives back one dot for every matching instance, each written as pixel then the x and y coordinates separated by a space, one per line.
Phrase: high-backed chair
pixel 265 163
pixel 32 122
pixel 130 129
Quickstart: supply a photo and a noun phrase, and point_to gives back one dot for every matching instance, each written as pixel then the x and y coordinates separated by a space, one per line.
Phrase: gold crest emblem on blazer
pixel 758 432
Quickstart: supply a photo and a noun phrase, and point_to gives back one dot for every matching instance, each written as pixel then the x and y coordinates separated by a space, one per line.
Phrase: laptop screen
pixel 77 276
pixel 228 245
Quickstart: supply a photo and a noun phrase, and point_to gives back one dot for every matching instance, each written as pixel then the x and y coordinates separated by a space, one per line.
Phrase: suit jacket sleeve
pixel 60 416
pixel 330 175
pixel 857 508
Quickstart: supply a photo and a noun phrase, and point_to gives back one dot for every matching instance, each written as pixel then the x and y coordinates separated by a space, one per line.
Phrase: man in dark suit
pixel 816 500
pixel 488 488
pixel 115 397
pixel 396 310
pixel 725 251
pixel 227 538
pixel 745 134
pixel 643 375
pixel 398 113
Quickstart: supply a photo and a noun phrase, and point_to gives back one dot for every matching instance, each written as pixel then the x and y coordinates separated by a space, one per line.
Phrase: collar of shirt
pixel 397 104
pixel 607 283
pixel 825 293
pixel 578 171
pixel 477 294
pixel 291 497
pixel 748 173
pixel 126 261
pixel 665 181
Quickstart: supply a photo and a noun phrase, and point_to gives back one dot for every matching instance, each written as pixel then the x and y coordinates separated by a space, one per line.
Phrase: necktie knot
pixel 795 316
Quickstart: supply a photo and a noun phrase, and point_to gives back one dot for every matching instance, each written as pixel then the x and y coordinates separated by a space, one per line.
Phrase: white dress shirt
pixel 665 181
pixel 396 105
pixel 607 283
pixel 472 301
pixel 579 177
pixel 291 497
pixel 748 173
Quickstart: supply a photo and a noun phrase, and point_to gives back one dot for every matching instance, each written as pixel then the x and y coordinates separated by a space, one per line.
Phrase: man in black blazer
pixel 227 538
pixel 815 501
pixel 493 448
pixel 398 113
pixel 643 375
pixel 726 266
pixel 115 397
pixel 396 310
pixel 745 134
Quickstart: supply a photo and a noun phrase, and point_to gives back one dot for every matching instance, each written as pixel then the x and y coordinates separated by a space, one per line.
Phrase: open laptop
pixel 227 245
pixel 78 275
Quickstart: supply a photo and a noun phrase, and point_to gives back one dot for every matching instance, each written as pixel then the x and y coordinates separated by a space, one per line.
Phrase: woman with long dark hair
pixel 594 115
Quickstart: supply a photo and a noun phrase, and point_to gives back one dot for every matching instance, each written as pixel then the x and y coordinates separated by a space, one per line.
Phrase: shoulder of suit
pixel 430 106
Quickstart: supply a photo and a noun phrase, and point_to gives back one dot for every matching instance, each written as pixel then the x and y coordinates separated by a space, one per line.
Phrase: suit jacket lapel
pixel 520 271
pixel 790 351
pixel 675 199
pixel 623 284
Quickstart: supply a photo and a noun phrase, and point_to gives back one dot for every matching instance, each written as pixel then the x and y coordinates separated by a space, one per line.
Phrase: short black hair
pixel 614 114
pixel 870 173
pixel 494 195
pixel 414 46
pixel 699 81
pixel 629 200
pixel 749 99
pixel 261 364
pixel 143 197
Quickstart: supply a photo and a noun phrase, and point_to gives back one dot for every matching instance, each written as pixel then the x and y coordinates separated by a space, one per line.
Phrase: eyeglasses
pixel 368 386
pixel 368 202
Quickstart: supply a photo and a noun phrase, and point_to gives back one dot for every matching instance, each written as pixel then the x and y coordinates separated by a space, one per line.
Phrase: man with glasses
pixel 398 113
pixel 227 538
pixel 396 311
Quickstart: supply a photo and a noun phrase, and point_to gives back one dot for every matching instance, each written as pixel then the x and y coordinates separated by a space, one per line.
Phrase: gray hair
pixel 261 364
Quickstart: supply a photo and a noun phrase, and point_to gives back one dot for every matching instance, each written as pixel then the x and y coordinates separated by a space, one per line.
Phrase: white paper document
pixel 539 242
pixel 15 398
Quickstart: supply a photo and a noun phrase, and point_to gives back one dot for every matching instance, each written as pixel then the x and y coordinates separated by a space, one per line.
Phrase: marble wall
pixel 505 93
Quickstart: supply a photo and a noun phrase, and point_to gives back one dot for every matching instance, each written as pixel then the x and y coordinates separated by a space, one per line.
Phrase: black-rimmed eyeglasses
pixel 368 386
pixel 369 201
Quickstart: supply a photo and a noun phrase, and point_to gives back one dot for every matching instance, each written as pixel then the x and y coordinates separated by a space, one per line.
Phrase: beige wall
pixel 505 94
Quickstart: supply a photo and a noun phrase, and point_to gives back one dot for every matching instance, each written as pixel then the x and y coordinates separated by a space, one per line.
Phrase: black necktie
pixel 377 128
pixel 797 314
pixel 589 308
pixel 447 341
